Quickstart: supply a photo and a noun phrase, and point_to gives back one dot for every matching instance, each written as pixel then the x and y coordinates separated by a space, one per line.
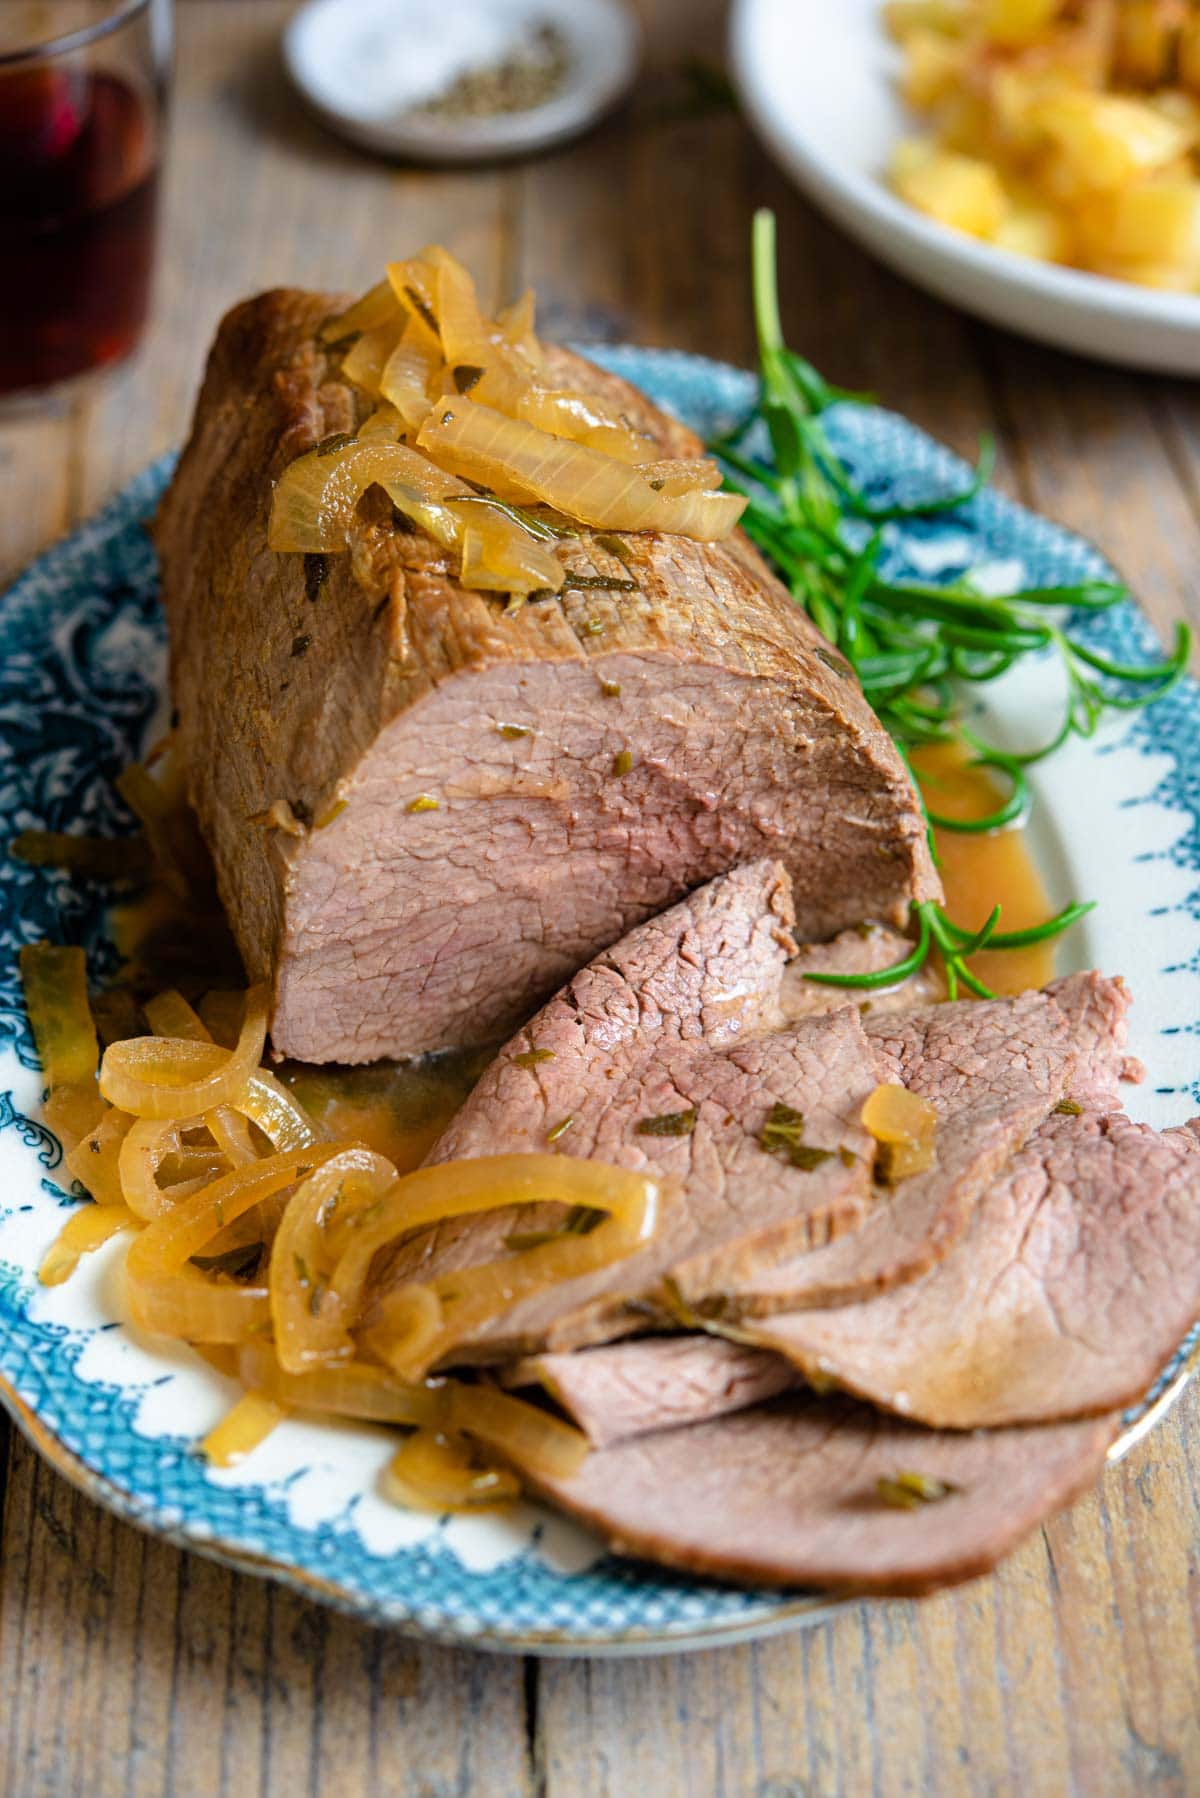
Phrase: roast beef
pixel 1075 1280
pixel 668 1053
pixel 863 949
pixel 681 1021
pixel 993 1070
pixel 788 1494
pixel 652 1383
pixel 426 814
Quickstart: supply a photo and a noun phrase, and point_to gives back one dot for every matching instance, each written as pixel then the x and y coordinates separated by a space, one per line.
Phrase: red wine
pixel 78 206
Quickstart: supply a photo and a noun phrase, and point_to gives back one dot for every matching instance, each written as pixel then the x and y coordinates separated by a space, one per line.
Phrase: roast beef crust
pixel 282 696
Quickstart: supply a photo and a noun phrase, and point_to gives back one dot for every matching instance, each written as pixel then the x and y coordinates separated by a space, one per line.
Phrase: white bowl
pixel 817 78
pixel 324 42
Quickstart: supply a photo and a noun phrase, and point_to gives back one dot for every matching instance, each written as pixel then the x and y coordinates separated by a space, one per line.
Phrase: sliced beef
pixel 787 1494
pixel 864 949
pixel 677 1027
pixel 474 803
pixel 680 1025
pixel 1075 1280
pixel 654 1383
pixel 993 1070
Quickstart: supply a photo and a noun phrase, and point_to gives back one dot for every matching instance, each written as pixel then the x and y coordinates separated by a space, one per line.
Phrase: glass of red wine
pixel 83 91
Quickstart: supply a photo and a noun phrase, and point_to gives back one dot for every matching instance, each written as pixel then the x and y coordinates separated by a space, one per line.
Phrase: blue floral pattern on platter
pixel 82 647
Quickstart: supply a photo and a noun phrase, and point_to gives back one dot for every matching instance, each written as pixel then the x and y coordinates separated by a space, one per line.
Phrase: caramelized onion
pixel 583 420
pixel 466 339
pixel 85 1230
pixel 242 1429
pixel 195 1307
pixel 682 474
pixel 146 1146
pixel 516 323
pixel 160 803
pixel 577 416
pixel 498 554
pixel 365 362
pixel 169 1014
pixel 310 1319
pixel 421 344
pixel 420 1324
pixel 55 983
pixel 154 1078
pixel 905 1127
pixel 281 1118
pixel 73 1112
pixel 95 1161
pixel 231 1133
pixel 315 499
pixel 521 463
pixel 168 1296
pixel 410 369
pixel 377 307
pixel 435 1472
pixel 531 1437
pixel 384 425
pixel 413 284
pixel 351 1389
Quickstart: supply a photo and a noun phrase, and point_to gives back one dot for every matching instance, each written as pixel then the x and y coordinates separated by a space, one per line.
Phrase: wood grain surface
pixel 126 1667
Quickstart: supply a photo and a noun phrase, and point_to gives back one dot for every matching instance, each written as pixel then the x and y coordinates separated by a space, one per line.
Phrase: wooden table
pixel 128 1667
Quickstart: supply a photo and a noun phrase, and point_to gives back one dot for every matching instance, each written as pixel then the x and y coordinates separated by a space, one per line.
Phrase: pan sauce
pixel 978 872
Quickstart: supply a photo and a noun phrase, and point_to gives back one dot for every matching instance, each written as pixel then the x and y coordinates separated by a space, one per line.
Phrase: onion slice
pixel 168 1296
pixel 516 324
pixel 95 1161
pixel 311 1321
pixel 55 983
pixel 498 554
pixel 86 1229
pixel 315 500
pixel 169 1014
pixel 682 474
pixel 145 1148
pixel 420 1324
pixel 241 1430
pixel 281 1117
pixel 377 307
pixel 519 462
pixel 155 1078
pixel 439 1473
pixel 365 363
pixel 530 1437
pixel 409 371
pixel 73 1112
pixel 351 1389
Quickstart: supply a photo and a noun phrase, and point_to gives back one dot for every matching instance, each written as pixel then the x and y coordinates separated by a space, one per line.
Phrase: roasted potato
pixel 1066 130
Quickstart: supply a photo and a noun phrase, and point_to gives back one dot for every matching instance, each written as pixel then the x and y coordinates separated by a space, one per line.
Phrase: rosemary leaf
pixel 669 1123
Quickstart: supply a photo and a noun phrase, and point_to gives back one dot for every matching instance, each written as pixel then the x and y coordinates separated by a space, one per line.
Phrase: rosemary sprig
pixel 935 930
pixel 911 643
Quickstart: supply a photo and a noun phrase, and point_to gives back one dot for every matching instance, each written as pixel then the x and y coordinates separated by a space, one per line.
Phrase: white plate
pixel 817 78
pixel 325 42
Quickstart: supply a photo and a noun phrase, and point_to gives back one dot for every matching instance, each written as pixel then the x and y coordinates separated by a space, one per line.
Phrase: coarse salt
pixel 390 57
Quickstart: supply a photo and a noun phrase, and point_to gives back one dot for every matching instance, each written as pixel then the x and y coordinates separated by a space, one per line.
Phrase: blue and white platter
pixel 82 642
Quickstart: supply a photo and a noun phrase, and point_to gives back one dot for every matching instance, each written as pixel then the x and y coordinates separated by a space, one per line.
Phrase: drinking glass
pixel 83 91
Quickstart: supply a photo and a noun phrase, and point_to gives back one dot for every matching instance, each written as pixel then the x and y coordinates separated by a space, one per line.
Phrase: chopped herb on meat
pixel 909 1491
pixel 670 1123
